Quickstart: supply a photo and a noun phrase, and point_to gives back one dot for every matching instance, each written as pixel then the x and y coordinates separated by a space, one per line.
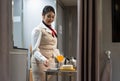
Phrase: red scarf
pixel 53 31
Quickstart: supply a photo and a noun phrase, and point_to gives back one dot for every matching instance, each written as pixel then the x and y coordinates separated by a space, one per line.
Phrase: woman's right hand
pixel 46 63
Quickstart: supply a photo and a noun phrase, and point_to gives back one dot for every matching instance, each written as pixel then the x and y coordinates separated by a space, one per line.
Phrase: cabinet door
pixel 18 66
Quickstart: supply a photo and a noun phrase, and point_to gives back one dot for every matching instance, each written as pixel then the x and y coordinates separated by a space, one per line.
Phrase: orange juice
pixel 60 58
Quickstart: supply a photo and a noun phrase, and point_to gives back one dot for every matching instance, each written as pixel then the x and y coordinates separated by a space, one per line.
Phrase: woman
pixel 44 42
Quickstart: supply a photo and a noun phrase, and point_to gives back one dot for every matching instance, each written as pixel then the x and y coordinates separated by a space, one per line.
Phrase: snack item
pixel 67 67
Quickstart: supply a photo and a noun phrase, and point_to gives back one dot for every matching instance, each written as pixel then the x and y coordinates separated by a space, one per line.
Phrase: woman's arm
pixel 35 39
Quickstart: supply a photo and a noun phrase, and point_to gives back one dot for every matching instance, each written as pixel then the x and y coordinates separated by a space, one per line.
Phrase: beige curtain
pixel 88 40
pixel 4 40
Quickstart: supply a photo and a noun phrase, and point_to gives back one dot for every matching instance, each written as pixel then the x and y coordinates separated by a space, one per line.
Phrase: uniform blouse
pixel 35 40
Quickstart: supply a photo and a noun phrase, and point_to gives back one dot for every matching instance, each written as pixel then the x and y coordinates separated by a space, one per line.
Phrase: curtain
pixel 88 40
pixel 4 41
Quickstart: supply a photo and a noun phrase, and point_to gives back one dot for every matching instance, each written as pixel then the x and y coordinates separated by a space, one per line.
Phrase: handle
pixel 108 52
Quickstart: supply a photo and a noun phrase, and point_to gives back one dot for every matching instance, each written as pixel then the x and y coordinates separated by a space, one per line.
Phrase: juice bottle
pixel 60 58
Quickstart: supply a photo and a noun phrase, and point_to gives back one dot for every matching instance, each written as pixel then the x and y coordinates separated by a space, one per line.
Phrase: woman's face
pixel 49 18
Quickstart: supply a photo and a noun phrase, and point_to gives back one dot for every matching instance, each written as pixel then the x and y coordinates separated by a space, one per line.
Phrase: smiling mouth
pixel 50 21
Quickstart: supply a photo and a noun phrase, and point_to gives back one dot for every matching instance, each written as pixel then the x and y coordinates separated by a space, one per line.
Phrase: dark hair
pixel 47 9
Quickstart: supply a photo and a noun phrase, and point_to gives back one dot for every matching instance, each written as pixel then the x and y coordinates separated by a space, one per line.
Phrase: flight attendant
pixel 44 45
